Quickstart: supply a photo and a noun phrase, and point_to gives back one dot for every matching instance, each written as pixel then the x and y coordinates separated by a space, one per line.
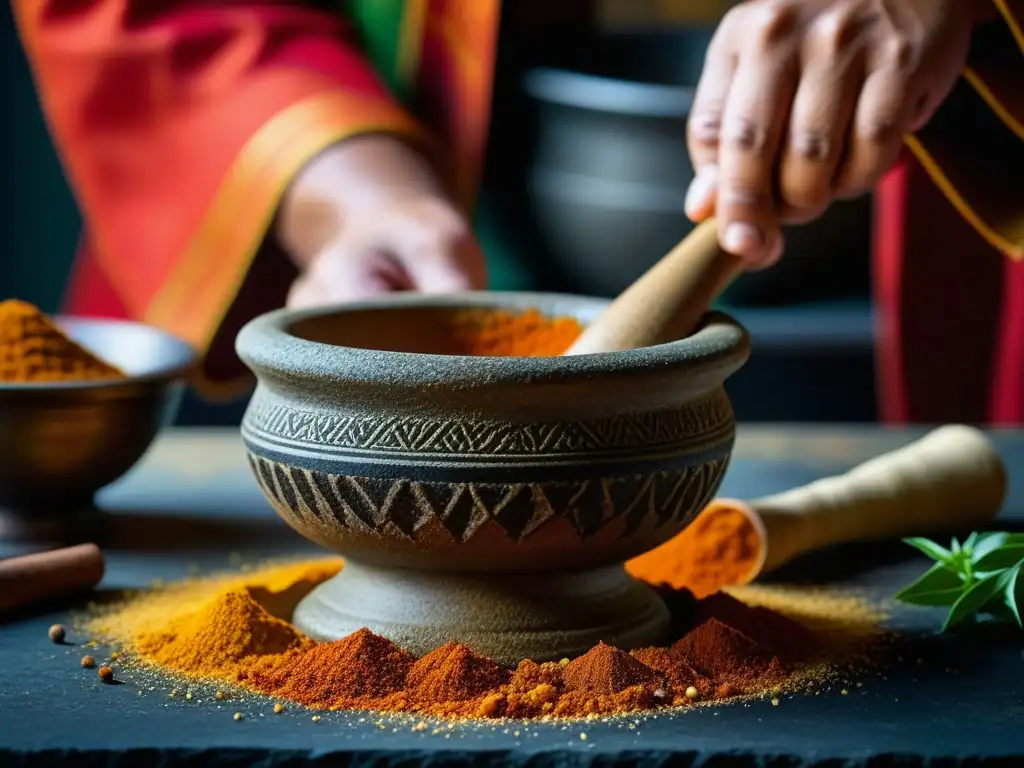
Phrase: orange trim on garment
pixel 1000 111
pixel 460 48
pixel 978 83
pixel 1010 17
pixel 197 294
pixel 1014 250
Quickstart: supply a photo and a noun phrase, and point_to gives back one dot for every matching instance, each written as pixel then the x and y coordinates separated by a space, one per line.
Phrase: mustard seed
pixel 57 633
pixel 88 662
pixel 106 674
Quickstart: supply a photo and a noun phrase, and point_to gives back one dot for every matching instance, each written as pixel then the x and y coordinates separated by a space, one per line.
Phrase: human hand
pixel 805 101
pixel 369 217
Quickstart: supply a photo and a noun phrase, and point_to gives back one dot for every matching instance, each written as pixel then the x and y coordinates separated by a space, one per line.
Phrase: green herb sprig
pixel 979 577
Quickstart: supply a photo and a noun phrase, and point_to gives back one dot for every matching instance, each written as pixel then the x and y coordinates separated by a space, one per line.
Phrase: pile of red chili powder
pixel 234 629
pixel 729 649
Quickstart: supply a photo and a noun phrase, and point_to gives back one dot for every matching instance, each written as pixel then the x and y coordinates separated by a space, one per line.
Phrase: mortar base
pixel 507 617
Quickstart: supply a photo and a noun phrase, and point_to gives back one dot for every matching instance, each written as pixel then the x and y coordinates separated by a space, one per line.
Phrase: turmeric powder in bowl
pixel 33 349
pixel 81 399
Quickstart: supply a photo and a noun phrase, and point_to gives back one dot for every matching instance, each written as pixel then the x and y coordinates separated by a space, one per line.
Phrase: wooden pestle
pixel 667 302
pixel 951 479
pixel 33 578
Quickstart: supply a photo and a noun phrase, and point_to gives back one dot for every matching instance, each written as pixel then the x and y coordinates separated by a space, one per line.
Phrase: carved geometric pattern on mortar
pixel 697 425
pixel 399 507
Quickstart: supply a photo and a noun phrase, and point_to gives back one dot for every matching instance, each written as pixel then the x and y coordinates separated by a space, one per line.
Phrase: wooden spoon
pixel 667 302
pixel 952 479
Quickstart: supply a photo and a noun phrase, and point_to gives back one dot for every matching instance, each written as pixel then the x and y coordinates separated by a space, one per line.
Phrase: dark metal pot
pixel 611 171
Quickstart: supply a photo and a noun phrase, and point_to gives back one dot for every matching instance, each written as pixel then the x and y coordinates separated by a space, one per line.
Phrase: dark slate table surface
pixel 192 503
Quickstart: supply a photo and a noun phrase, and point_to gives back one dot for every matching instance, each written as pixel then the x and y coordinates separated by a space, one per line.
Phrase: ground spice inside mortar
pixel 512 334
pixel 234 629
pixel 33 349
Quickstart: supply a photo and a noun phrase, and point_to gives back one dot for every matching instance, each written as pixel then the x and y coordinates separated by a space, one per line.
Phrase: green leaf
pixel 971 541
pixel 937 586
pixel 930 548
pixel 1013 593
pixel 1006 556
pixel 974 598
pixel 954 546
pixel 986 543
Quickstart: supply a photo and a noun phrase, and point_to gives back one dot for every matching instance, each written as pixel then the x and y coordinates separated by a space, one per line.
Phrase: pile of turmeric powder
pixel 33 349
pixel 234 629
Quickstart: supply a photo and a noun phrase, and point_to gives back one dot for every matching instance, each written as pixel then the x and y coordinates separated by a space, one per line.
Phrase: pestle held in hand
pixel 668 301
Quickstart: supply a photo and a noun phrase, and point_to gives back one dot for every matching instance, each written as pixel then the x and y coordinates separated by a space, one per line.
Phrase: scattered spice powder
pixel 33 349
pixel 233 628
pixel 721 548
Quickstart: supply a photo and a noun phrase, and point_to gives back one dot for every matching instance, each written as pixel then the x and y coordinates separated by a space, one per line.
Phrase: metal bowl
pixel 489 500
pixel 61 442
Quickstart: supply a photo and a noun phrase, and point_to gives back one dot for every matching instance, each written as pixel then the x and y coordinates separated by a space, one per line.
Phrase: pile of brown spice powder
pixel 234 629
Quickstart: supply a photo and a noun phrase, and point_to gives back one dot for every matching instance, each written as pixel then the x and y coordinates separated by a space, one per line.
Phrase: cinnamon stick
pixel 32 578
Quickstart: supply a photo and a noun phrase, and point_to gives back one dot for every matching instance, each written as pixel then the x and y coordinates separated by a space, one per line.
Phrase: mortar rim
pixel 269 348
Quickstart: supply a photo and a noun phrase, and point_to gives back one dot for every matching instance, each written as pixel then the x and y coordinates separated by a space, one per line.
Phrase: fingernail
pixel 741 239
pixel 697 196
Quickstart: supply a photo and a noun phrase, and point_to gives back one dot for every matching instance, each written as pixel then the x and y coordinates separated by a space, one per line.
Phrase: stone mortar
pixel 481 499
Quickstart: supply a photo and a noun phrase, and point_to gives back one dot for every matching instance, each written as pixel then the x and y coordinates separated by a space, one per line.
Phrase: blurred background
pixel 604 178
